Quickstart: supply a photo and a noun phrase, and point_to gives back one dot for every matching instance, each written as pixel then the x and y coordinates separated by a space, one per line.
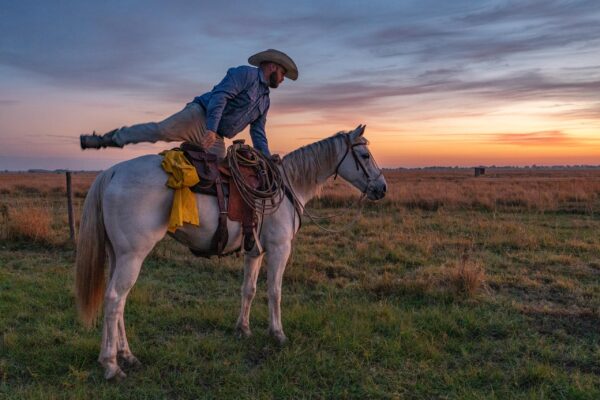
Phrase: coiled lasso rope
pixel 266 198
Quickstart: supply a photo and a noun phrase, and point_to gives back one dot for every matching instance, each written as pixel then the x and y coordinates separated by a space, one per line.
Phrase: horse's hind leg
pixel 251 269
pixel 123 350
pixel 124 275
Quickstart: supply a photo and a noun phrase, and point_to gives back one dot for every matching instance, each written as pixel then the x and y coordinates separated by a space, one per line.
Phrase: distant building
pixel 479 171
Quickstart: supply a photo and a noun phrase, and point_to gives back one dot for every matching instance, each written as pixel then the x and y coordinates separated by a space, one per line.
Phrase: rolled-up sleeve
pixel 234 82
pixel 258 135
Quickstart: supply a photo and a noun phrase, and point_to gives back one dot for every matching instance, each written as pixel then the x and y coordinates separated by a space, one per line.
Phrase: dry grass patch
pixel 566 190
pixel 465 278
pixel 43 183
pixel 461 279
pixel 28 222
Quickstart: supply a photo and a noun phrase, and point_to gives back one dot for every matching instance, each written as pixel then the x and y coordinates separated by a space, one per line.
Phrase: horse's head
pixel 358 166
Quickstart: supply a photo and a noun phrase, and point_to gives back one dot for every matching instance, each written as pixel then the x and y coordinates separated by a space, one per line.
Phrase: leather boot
pixel 94 141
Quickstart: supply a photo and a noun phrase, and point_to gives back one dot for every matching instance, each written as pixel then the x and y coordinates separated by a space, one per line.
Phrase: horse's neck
pixel 304 193
pixel 310 168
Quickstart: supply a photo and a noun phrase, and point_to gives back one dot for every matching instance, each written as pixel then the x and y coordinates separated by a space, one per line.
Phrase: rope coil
pixel 241 155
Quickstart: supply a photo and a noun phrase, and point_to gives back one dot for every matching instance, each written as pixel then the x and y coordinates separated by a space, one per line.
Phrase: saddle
pixel 216 180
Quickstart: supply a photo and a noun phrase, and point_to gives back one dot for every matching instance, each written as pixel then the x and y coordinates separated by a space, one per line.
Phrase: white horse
pixel 126 213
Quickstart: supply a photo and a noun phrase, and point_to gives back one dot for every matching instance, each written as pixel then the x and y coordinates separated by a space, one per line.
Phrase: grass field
pixel 451 287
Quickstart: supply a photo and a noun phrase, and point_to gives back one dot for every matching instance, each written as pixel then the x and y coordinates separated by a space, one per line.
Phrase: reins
pixel 314 218
pixel 301 210
pixel 267 199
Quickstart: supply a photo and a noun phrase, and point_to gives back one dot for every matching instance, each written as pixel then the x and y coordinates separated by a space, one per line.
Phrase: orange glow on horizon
pixel 518 135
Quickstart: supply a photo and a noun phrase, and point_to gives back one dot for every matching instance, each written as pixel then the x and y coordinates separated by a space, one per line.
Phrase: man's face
pixel 276 76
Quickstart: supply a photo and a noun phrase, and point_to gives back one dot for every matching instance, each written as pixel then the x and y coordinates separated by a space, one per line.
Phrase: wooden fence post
pixel 70 208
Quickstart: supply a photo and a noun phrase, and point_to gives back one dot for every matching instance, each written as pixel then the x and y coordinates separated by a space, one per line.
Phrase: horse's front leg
pixel 251 269
pixel 277 257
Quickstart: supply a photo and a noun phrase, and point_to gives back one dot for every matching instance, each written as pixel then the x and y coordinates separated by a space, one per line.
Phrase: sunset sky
pixel 436 82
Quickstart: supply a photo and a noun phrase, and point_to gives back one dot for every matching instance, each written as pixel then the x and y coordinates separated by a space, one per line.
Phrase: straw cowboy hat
pixel 277 57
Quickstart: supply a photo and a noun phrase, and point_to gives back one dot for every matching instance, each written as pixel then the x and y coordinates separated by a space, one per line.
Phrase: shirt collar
pixel 262 79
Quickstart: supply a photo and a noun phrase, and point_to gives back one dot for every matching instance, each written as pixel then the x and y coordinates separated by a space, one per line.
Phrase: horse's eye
pixel 366 156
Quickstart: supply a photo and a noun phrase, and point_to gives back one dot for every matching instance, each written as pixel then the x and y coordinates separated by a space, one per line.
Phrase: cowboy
pixel 239 100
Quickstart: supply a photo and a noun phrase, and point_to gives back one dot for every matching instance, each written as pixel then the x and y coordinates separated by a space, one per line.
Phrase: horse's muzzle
pixel 376 190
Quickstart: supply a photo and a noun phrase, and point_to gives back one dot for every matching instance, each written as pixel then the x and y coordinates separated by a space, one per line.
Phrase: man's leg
pixel 186 125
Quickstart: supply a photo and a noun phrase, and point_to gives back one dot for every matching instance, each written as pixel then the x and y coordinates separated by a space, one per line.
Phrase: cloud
pixel 590 113
pixel 496 33
pixel 388 59
pixel 366 96
pixel 530 85
pixel 531 10
pixel 420 49
pixel 541 138
pixel 131 48
pixel 172 51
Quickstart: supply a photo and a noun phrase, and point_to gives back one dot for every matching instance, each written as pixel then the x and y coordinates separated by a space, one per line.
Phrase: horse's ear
pixel 358 132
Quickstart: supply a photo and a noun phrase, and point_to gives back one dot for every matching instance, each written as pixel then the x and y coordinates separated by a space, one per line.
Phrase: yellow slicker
pixel 182 175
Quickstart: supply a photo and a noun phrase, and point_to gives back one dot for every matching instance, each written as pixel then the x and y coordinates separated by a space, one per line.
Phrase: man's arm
pixel 257 133
pixel 234 82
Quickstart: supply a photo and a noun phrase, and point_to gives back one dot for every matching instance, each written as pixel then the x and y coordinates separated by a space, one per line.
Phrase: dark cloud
pixel 110 46
pixel 531 10
pixel 487 45
pixel 150 47
pixel 441 73
pixel 496 33
pixel 531 85
pixel 283 29
pixel 406 34
pixel 526 85
pixel 591 113
pixel 586 69
pixel 158 50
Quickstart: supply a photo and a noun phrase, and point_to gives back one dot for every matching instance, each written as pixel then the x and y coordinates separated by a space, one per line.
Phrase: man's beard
pixel 273 80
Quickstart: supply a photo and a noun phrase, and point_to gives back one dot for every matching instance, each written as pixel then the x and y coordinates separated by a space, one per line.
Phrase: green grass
pixel 370 315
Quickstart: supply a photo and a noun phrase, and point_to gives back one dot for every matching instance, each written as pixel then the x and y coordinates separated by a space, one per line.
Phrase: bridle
pixel 301 210
pixel 359 164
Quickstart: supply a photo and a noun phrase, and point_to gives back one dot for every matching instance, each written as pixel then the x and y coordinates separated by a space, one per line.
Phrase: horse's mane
pixel 305 166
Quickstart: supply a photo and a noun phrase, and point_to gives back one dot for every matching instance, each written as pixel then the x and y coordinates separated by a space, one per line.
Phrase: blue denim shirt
pixel 241 98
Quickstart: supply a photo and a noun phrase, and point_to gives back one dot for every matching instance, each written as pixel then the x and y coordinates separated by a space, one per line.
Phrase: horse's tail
pixel 91 253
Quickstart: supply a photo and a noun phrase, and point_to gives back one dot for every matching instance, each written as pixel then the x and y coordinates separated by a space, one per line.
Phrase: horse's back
pixel 144 169
pixel 136 202
pixel 137 205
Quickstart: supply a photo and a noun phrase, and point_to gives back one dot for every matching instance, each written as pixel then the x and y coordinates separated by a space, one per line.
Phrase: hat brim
pixel 278 57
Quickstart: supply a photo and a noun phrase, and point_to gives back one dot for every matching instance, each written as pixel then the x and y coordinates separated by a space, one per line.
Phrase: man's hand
pixel 208 140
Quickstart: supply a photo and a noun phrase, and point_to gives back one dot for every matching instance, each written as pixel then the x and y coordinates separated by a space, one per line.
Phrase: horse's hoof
pixel 243 332
pixel 115 374
pixel 131 361
pixel 282 340
pixel 279 337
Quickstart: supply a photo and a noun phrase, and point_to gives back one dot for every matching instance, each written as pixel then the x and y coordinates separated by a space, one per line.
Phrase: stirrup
pixel 251 244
